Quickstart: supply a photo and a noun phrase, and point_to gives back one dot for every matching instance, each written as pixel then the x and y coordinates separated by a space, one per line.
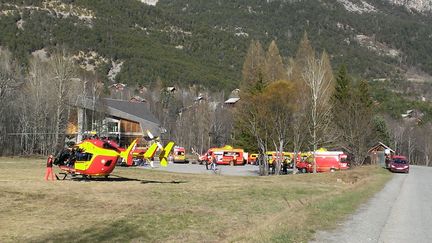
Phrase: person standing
pixel 49 166
pixel 151 162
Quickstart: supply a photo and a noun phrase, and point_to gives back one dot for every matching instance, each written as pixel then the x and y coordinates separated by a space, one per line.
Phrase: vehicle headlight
pixel 406 166
pixel 392 166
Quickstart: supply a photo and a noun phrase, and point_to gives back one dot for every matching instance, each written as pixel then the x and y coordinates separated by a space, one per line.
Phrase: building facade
pixel 119 120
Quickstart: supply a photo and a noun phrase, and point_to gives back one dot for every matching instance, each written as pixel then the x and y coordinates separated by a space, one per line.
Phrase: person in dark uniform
pixel 49 165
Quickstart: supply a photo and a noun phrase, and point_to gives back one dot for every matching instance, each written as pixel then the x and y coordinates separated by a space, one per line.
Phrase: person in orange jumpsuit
pixel 49 166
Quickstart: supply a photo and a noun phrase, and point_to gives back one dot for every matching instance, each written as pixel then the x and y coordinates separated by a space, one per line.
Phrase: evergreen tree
pixel 304 53
pixel 352 115
pixel 343 87
pixel 274 67
pixel 363 94
pixel 381 130
pixel 252 84
pixel 253 67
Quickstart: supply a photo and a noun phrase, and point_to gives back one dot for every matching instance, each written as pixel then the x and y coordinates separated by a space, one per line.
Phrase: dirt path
pixel 401 212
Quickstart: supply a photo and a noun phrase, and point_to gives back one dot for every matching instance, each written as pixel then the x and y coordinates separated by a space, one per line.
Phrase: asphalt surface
pixel 401 212
pixel 239 170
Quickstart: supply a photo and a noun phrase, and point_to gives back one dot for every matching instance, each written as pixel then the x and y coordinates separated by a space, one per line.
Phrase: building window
pixel 112 127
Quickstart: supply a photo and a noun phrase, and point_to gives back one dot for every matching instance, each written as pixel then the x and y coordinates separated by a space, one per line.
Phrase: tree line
pixel 39 102
pixel 287 104
pixel 302 106
pixel 36 103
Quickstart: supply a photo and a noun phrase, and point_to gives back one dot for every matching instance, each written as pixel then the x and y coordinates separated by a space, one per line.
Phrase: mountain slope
pixel 204 42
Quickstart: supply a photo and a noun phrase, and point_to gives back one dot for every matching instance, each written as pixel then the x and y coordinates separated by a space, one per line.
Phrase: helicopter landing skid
pixel 64 176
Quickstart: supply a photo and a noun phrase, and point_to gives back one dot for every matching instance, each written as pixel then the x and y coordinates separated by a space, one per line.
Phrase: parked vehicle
pixel 252 159
pixel 304 161
pixel 344 163
pixel 179 155
pixel 325 161
pixel 226 155
pixel 399 163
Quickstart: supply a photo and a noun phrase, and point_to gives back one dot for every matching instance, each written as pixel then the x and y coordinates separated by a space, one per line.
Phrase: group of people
pixel 285 164
pixel 143 162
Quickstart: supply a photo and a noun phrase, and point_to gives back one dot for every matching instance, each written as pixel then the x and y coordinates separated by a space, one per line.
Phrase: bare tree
pixel 253 119
pixel 397 130
pixel 295 71
pixel 51 87
pixel 317 75
pixel 299 123
pixel 10 81
pixel 64 86
pixel 424 143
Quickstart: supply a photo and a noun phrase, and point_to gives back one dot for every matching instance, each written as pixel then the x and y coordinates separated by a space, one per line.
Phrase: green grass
pixel 160 206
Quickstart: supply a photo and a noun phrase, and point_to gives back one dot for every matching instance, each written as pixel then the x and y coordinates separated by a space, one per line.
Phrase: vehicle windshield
pixel 399 161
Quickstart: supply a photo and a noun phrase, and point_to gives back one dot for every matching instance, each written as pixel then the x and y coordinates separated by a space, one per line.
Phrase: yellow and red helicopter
pixel 97 157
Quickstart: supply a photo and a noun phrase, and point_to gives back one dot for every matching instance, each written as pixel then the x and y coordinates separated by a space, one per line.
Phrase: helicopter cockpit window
pixel 83 156
pixel 107 145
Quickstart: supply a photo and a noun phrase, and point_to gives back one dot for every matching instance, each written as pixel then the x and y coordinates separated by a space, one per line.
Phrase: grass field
pixel 150 206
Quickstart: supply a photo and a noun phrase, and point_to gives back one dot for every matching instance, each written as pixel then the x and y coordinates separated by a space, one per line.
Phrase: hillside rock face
pixel 418 5
pixel 149 2
pixel 360 7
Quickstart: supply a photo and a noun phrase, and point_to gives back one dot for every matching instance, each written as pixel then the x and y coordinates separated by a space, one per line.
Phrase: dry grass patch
pixel 159 206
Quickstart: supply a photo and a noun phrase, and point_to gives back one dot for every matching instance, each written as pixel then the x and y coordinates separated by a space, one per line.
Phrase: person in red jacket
pixel 49 166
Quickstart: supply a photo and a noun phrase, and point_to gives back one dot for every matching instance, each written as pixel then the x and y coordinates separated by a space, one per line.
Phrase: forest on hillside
pixel 190 42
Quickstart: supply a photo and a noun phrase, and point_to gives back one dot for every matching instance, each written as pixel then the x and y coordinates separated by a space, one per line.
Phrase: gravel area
pixel 239 170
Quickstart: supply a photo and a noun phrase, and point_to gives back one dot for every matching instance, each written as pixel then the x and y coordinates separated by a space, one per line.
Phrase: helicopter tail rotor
pixel 163 156
pixel 127 154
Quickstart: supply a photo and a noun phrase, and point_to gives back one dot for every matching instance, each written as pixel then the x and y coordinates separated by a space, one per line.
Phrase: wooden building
pixel 379 152
pixel 119 120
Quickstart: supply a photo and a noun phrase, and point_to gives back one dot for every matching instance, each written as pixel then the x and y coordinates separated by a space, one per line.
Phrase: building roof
pixel 232 100
pixel 137 98
pixel 133 111
pixel 380 144
pixel 132 108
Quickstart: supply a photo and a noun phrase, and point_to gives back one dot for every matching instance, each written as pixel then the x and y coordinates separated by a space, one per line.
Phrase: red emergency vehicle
pixel 325 161
pixel 226 155
pixel 303 162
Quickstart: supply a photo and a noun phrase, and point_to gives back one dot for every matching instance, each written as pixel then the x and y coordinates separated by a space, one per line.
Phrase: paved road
pixel 401 212
pixel 246 170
